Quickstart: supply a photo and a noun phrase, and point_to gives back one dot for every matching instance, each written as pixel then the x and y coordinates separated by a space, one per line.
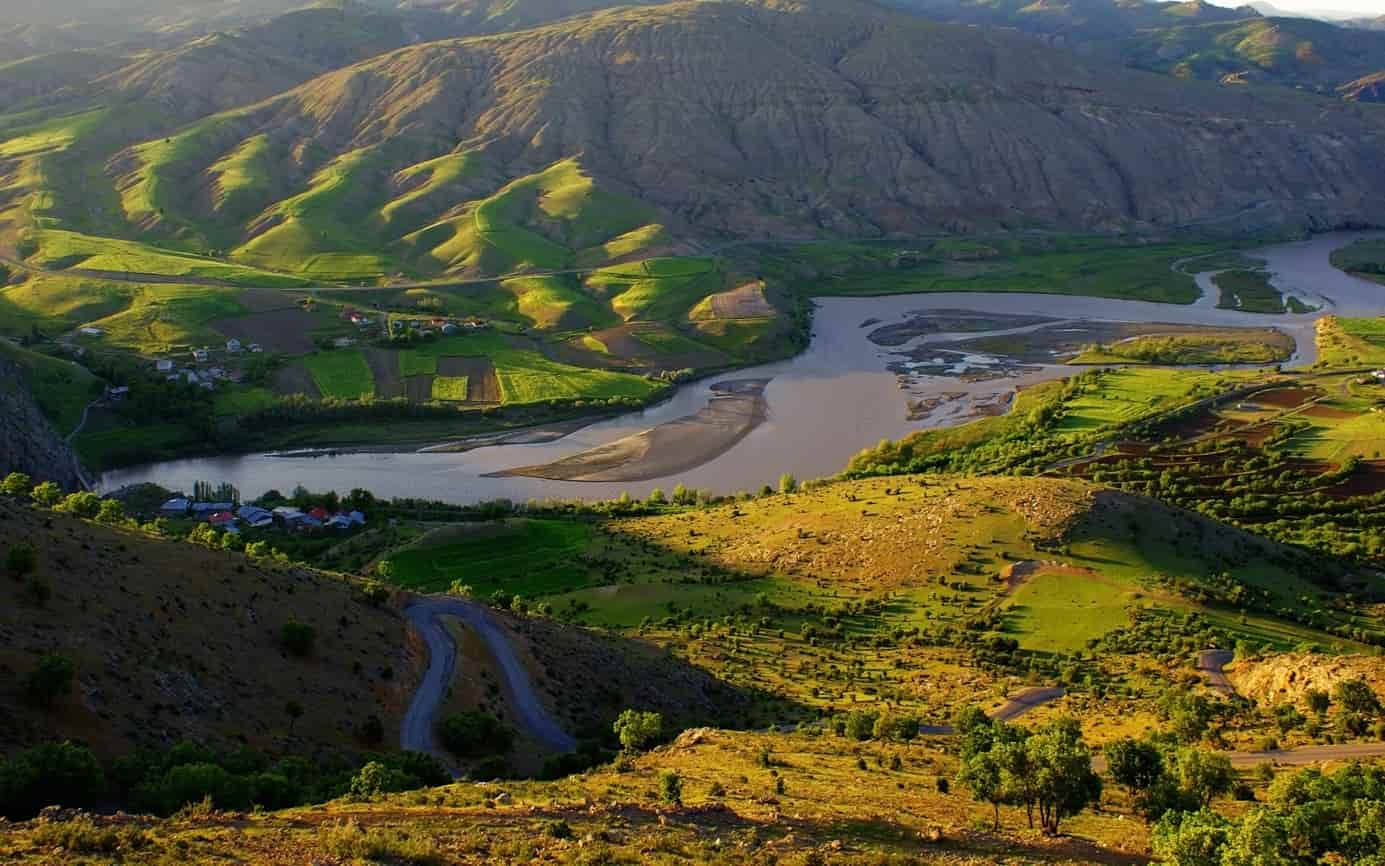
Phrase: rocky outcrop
pixel 28 442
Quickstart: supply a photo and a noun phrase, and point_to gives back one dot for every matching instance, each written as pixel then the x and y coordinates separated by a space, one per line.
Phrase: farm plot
pixel 286 331
pixel 384 368
pixel 344 375
pixel 295 379
pixel 482 385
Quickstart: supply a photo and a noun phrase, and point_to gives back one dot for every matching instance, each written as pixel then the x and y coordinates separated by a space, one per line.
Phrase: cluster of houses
pixel 229 518
pixel 435 325
pixel 206 377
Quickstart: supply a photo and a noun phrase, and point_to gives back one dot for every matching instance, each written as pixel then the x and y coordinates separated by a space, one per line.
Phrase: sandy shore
pixel 736 408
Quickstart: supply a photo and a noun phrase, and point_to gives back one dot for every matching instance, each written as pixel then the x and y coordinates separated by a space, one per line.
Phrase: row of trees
pixel 1047 771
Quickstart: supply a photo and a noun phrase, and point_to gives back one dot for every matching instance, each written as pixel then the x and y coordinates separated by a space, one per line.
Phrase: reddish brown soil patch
pixel 1283 398
pixel 482 385
pixel 384 367
pixel 287 331
pixel 295 379
pixel 1367 480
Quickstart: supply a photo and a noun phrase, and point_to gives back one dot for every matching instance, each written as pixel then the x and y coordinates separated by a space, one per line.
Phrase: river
pixel 823 406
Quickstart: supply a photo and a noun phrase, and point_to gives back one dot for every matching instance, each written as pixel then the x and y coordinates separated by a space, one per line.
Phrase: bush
pixel 351 841
pixel 53 774
pixel 297 638
pixel 375 779
pixel 86 505
pixel 111 512
pixel 21 559
pixel 16 484
pixel 47 494
pixel 474 735
pixel 81 835
pixel 50 679
pixel 638 730
pixel 671 787
pixel 557 830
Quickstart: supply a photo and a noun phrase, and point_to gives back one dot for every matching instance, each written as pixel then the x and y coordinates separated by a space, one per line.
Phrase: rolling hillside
pixel 572 142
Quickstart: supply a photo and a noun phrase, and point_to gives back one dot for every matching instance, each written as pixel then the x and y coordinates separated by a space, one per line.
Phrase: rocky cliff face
pixel 28 442
pixel 798 120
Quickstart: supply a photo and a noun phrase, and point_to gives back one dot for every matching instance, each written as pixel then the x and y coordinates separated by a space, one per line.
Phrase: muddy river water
pixel 845 393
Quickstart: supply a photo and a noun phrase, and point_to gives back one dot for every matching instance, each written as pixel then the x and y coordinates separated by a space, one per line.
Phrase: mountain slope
pixel 747 121
pixel 1188 39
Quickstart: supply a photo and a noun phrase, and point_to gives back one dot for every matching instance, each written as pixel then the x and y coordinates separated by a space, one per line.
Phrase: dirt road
pixel 417 730
pixel 1013 708
pixel 1210 664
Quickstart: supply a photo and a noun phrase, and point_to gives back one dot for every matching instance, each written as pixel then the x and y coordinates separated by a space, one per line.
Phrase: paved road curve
pixel 1012 709
pixel 417 731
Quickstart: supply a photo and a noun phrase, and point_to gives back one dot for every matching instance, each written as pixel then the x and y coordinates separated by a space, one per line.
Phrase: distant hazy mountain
pixel 1190 39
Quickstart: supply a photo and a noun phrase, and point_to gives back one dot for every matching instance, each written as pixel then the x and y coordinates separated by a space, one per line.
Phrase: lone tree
pixel 1064 782
pixel 50 679
pixel 294 710
pixel 1138 767
pixel 638 730
pixel 1204 775
pixel 298 638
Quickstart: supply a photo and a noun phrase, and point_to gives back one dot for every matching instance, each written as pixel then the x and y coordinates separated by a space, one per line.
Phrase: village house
pixel 200 355
pixel 163 365
pixel 90 332
pixel 176 507
pixel 233 345
pixel 255 517
pixel 255 348
pixel 205 510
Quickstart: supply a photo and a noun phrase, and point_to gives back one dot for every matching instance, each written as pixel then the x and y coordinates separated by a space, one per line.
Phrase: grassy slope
pixel 62 388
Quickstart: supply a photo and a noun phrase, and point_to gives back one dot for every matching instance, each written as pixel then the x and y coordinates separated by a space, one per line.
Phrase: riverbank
pixel 736 408
pixel 821 407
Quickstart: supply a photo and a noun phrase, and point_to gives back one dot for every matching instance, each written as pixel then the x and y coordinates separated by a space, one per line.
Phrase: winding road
pixel 417 730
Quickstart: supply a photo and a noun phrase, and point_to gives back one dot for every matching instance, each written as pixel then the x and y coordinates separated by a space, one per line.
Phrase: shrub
pixel 375 779
pixel 638 730
pixel 475 734
pixel 671 787
pixel 53 774
pixel 111 512
pixel 50 679
pixel 81 835
pixel 47 494
pixel 351 841
pixel 297 638
pixel 16 484
pixel 38 589
pixel 21 559
pixel 557 829
pixel 80 505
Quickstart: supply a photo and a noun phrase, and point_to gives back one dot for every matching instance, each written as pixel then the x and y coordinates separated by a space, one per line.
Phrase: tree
pixel 638 730
pixel 981 775
pixel 1356 696
pixel 1204 775
pixel 787 483
pixel 1063 779
pixel 1262 838
pixel 375 779
pixel 1137 766
pixel 80 505
pixel 1318 701
pixel 1190 838
pixel 671 787
pixel 294 710
pixel 16 484
pixel 47 494
pixel 297 638
pixel 111 512
pixel 21 559
pixel 53 774
pixel 656 496
pixel 475 735
pixel 50 679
